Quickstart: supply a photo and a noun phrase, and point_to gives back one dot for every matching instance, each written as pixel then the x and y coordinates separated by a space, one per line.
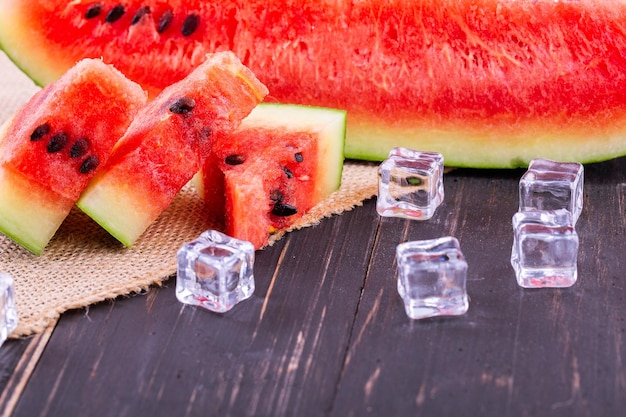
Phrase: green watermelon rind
pixel 117 197
pixel 461 147
pixel 21 201
pixel 15 44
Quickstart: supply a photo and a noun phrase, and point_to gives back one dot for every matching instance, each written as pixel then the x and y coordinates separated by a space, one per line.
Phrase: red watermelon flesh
pixel 489 83
pixel 68 129
pixel 52 147
pixel 281 161
pixel 167 143
pixel 258 184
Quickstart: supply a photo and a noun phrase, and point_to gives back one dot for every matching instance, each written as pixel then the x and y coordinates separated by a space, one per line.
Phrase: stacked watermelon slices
pixel 92 139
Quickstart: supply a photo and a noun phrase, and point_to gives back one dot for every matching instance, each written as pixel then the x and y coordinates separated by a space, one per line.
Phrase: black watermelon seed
pixel 190 24
pixel 140 13
pixel 89 164
pixel 39 132
pixel 115 13
pixel 79 148
pixel 93 10
pixel 288 172
pixel 284 210
pixel 57 143
pixel 277 196
pixel 165 21
pixel 235 159
pixel 298 157
pixel 183 105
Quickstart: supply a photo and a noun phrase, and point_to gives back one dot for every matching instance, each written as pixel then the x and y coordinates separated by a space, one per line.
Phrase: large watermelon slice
pixel 52 147
pixel 274 168
pixel 166 144
pixel 488 83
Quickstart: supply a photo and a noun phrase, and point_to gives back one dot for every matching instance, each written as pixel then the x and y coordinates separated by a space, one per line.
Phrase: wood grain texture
pixel 517 352
pixel 326 334
pixel 279 353
pixel 18 359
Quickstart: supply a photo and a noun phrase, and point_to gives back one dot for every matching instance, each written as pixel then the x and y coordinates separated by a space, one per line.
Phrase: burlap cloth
pixel 83 265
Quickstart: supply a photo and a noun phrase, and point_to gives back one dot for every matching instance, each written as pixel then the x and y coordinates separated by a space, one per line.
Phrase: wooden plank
pixel 326 333
pixel 517 351
pixel 279 354
pixel 18 358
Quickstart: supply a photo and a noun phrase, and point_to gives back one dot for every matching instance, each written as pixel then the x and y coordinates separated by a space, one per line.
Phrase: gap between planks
pixel 346 356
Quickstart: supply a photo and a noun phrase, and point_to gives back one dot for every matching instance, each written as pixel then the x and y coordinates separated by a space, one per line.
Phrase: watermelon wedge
pixel 166 144
pixel 279 163
pixel 488 83
pixel 52 147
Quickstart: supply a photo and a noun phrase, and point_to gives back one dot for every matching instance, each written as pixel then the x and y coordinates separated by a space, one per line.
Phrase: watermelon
pixel 167 143
pixel 488 83
pixel 52 147
pixel 279 163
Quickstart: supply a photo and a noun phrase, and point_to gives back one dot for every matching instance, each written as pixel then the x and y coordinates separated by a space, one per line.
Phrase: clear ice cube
pixel 8 319
pixel 545 249
pixel 431 278
pixel 215 271
pixel 410 184
pixel 550 185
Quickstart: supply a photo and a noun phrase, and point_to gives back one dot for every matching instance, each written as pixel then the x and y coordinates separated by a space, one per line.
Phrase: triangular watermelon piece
pixel 281 161
pixel 54 145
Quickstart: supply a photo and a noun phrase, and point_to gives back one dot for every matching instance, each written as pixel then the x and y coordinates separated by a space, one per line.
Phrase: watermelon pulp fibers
pixel 52 147
pixel 166 144
pixel 488 83
pixel 275 167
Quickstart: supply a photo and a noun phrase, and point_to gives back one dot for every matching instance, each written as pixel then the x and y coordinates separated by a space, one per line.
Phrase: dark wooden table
pixel 326 334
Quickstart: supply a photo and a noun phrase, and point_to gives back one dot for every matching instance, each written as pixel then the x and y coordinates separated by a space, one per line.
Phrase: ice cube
pixel 410 184
pixel 215 271
pixel 8 319
pixel 550 185
pixel 432 278
pixel 545 248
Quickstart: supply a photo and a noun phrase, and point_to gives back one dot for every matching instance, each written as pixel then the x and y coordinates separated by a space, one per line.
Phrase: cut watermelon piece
pixel 275 167
pixel 167 143
pixel 52 147
pixel 488 83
